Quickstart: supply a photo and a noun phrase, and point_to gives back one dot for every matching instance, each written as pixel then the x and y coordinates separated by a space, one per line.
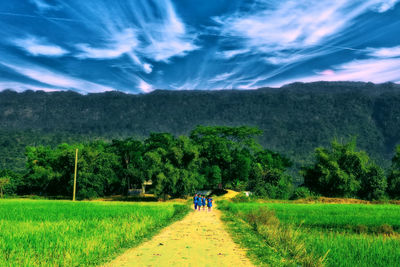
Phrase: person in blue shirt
pixel 203 202
pixel 199 202
pixel 195 201
pixel 209 203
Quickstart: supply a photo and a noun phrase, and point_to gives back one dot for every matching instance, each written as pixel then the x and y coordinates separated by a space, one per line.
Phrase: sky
pixel 137 46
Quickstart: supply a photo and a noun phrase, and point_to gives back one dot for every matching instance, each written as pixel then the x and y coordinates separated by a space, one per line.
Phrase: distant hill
pixel 295 118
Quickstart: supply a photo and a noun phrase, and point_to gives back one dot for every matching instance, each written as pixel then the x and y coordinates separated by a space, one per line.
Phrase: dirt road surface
pixel 198 240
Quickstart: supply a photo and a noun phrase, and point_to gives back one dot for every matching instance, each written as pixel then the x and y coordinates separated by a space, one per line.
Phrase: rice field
pixel 338 234
pixel 64 233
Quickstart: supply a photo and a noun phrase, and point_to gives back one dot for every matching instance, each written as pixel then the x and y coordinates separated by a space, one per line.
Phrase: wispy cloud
pixel 56 79
pixel 168 37
pixel 377 70
pixel 386 5
pixel 39 47
pixel 227 54
pixel 42 5
pixel 142 30
pixel 222 77
pixel 384 52
pixel 144 86
pixel 120 43
pixel 280 28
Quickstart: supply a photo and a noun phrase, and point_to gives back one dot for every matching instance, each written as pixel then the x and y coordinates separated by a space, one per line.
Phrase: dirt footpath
pixel 198 240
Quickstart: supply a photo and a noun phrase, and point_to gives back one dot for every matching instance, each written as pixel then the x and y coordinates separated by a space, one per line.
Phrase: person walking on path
pixel 203 202
pixel 199 202
pixel 209 203
pixel 195 201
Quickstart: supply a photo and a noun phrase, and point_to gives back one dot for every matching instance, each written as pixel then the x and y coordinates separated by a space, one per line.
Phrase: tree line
pixel 295 119
pixel 210 157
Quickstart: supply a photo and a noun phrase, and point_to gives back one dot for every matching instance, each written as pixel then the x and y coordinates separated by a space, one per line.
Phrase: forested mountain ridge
pixel 295 118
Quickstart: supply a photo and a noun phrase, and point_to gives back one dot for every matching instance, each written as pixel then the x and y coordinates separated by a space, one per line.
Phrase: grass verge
pixel 269 242
pixel 64 233
pixel 331 234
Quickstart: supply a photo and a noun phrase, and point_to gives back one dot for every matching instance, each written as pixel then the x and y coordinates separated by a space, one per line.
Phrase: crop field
pixel 64 233
pixel 318 234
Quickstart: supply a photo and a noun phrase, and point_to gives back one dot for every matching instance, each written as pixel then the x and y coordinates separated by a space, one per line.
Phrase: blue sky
pixel 137 46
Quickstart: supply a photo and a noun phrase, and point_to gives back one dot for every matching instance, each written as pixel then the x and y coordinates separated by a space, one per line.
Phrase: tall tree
pixel 228 148
pixel 344 171
pixel 394 176
pixel 130 152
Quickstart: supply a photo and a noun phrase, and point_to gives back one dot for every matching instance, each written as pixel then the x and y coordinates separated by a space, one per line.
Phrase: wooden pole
pixel 76 167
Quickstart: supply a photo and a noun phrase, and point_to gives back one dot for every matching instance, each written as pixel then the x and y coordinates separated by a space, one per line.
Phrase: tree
pixel 268 175
pixel 394 176
pixel 373 184
pixel 343 171
pixel 228 148
pixel 5 180
pixel 172 165
pixel 50 171
pixel 130 152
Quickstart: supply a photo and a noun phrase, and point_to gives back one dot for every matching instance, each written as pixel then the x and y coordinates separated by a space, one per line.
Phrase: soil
pixel 200 239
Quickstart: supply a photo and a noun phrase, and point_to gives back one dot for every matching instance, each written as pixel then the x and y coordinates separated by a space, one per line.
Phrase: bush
pixel 262 217
pixel 241 197
pixel 385 229
pixel 302 192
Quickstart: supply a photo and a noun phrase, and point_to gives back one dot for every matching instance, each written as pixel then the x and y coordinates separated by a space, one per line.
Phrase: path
pixel 198 240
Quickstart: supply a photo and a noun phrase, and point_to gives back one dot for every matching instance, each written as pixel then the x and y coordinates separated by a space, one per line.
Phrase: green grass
pixel 351 234
pixel 64 233
pixel 332 216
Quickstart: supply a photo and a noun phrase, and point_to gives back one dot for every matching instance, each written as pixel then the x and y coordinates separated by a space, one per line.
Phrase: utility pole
pixel 76 167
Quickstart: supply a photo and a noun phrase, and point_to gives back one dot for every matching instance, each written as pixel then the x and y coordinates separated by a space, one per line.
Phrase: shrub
pixel 241 197
pixel 302 192
pixel 385 229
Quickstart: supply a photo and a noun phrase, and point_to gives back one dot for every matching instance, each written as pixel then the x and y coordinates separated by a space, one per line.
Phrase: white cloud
pixel 222 77
pixel 148 68
pixel 384 52
pixel 367 70
pixel 144 86
pixel 386 5
pixel 141 30
pixel 42 5
pixel 232 53
pixel 120 43
pixel 279 29
pixel 39 47
pixel 56 79
pixel 168 37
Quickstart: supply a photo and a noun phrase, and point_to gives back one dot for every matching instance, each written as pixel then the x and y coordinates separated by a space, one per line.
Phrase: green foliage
pixel 50 171
pixel 301 192
pixel 176 166
pixel 60 233
pixel 227 153
pixel 342 171
pixel 4 181
pixel 172 163
pixel 130 153
pixel 242 197
pixel 268 176
pixel 9 182
pixel 394 176
pixel 373 183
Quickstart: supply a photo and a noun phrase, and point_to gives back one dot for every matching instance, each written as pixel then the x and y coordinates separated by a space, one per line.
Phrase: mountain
pixel 295 118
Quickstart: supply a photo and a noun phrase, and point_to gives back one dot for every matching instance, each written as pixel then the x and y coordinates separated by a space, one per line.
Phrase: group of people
pixel 199 201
